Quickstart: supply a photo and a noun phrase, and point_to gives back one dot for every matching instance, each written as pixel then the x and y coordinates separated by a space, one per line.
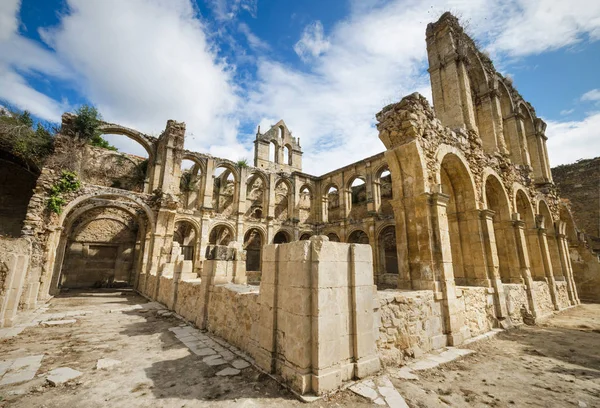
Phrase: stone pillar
pixel 564 262
pixel 493 263
pixel 271 200
pixel 498 121
pixel 223 264
pixel 455 328
pixel 487 114
pixel 547 261
pixel 402 253
pixel 208 184
pixel 523 252
pixel 474 251
pixel 450 83
pixel 316 320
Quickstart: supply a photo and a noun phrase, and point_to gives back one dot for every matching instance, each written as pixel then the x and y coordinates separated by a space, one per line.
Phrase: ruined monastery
pixel 455 229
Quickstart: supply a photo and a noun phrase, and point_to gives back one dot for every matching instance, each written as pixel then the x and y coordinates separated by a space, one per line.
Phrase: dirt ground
pixel 554 365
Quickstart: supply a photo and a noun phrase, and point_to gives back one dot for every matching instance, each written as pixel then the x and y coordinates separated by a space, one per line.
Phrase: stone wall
pixel 478 309
pixel 516 299
pixel 543 298
pixel 562 295
pixel 14 261
pixel 166 293
pixel 188 300
pixel 232 312
pixel 578 182
pixel 409 324
pixel 586 272
pixel 108 168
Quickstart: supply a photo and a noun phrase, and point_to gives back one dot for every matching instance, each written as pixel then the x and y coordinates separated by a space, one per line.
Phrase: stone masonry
pixel 455 229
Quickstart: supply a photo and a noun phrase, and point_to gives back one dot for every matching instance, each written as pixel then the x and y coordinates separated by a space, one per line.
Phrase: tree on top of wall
pixel 20 137
pixel 86 123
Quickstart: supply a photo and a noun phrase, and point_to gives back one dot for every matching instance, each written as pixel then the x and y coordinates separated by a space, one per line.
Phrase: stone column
pixel 521 240
pixel 487 123
pixel 564 262
pixel 454 326
pixel 547 261
pixel 493 263
pixel 498 121
pixel 402 253
pixel 316 321
pixel 474 257
pixel 208 184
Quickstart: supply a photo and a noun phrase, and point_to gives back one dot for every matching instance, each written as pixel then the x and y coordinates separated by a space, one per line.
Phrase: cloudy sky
pixel 325 67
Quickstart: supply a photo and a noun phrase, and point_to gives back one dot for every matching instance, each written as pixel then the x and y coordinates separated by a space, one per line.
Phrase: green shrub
pixel 86 124
pixel 68 183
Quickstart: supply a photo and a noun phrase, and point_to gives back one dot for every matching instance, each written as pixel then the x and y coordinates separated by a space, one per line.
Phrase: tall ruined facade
pixel 460 212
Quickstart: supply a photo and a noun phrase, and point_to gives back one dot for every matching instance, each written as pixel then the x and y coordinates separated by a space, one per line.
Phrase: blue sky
pixel 325 67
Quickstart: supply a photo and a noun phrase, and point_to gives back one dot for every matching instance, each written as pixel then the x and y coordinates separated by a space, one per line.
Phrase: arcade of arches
pixel 459 214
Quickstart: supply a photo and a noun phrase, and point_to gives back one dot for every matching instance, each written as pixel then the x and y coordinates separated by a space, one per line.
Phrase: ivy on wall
pixel 68 183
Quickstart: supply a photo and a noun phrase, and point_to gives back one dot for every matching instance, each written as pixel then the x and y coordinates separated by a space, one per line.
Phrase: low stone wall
pixel 14 261
pixel 562 294
pixel 189 300
pixel 409 324
pixel 543 298
pixel 232 311
pixel 166 294
pixel 478 303
pixel 149 287
pixel 516 299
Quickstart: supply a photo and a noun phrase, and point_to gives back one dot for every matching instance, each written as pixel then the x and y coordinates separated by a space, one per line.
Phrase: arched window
pixel 287 155
pixel 273 156
pixel 221 235
pixel 387 250
pixel 185 236
pixel 224 190
pixel 333 237
pixel 255 196
pixel 333 204
pixel 189 184
pixel 282 198
pixel 281 237
pixel 253 243
pixel 305 205
pixel 357 203
pixel 358 237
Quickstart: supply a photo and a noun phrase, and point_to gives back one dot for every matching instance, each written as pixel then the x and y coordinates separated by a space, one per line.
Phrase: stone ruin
pixel 454 230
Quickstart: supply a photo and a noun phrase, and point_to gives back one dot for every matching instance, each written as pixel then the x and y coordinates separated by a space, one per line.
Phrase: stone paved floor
pixel 130 352
pixel 114 348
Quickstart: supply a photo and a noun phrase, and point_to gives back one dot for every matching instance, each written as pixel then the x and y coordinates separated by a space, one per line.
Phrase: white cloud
pixel 228 9
pixel 9 21
pixel 535 26
pixel 593 95
pixel 313 42
pixel 565 112
pixel 574 140
pixel 253 40
pixel 19 55
pixel 14 88
pixel 144 62
pixel 378 54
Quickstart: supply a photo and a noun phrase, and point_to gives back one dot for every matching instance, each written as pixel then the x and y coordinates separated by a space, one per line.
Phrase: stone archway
pixel 100 249
pixel 282 237
pixel 358 237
